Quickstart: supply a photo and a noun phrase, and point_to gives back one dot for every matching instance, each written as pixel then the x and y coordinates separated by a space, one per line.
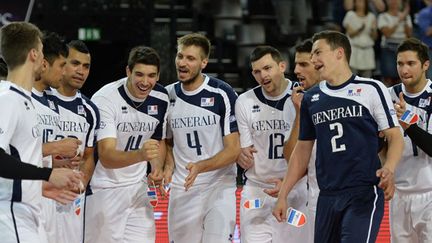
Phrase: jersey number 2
pixel 339 129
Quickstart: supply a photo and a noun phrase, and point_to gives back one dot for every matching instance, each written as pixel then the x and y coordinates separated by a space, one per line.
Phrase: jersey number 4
pixel 194 143
pixel 339 133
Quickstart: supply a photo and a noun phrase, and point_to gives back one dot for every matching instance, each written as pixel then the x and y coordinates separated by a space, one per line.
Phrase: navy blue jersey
pixel 345 121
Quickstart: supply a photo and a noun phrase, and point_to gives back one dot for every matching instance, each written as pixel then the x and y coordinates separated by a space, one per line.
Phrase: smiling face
pixel 411 71
pixel 141 79
pixel 269 74
pixel 305 70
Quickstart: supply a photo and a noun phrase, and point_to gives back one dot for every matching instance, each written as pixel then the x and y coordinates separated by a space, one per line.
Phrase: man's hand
pixel 246 158
pixel 273 192
pixel 150 150
pixel 67 147
pixel 60 195
pixel 386 182
pixel 280 209
pixel 400 108
pixel 66 178
pixel 194 170
pixel 71 163
pixel 297 97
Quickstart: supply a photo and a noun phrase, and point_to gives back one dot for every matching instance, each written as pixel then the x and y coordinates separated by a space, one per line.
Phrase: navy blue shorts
pixel 349 216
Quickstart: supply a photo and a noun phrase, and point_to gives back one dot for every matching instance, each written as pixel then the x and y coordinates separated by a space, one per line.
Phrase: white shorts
pixel 121 214
pixel 20 222
pixel 259 225
pixel 69 223
pixel 203 213
pixel 47 226
pixel 411 217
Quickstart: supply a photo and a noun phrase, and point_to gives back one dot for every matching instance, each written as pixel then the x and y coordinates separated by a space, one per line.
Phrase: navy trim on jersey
pixel 232 97
pixel 20 92
pixel 382 98
pixel 277 104
pixel 89 119
pixel 17 187
pixel 44 101
pixel 162 107
pixel 219 107
pixel 14 222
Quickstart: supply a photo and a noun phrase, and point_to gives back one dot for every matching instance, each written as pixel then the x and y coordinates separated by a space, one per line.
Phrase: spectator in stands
pixel 395 25
pixel 424 22
pixel 360 26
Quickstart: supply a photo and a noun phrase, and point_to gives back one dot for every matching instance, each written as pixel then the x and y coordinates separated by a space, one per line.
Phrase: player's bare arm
pixel 157 164
pixel 62 196
pixel 289 145
pixel 88 165
pixel 393 155
pixel 169 162
pixel 297 168
pixel 225 157
pixel 113 158
pixel 66 147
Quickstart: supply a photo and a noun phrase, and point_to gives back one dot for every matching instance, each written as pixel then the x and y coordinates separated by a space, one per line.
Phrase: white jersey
pixel 265 122
pixel 198 121
pixel 131 125
pixel 79 118
pixel 48 118
pixel 414 172
pixel 20 137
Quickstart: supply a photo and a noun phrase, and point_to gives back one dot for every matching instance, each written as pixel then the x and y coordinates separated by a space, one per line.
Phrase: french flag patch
pixel 77 206
pixel 253 204
pixel 207 102
pixel 295 217
pixel 152 194
pixel 409 117
pixel 152 109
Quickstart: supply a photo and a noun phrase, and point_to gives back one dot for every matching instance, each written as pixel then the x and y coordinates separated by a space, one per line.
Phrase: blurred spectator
pixel 361 29
pixel 292 15
pixel 424 22
pixel 395 25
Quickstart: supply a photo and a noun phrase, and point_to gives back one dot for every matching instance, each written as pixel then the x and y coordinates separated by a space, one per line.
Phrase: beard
pixel 191 80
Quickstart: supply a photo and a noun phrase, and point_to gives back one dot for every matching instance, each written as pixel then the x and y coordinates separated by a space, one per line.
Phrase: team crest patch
pixel 207 102
pixel 81 110
pixel 424 102
pixel 152 109
pixel 295 217
pixel 354 92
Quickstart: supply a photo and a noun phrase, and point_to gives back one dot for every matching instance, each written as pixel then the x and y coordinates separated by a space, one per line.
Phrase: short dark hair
pixel 415 45
pixel 17 39
pixel 79 46
pixel 196 39
pixel 53 47
pixel 304 46
pixel 144 55
pixel 335 39
pixel 261 51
